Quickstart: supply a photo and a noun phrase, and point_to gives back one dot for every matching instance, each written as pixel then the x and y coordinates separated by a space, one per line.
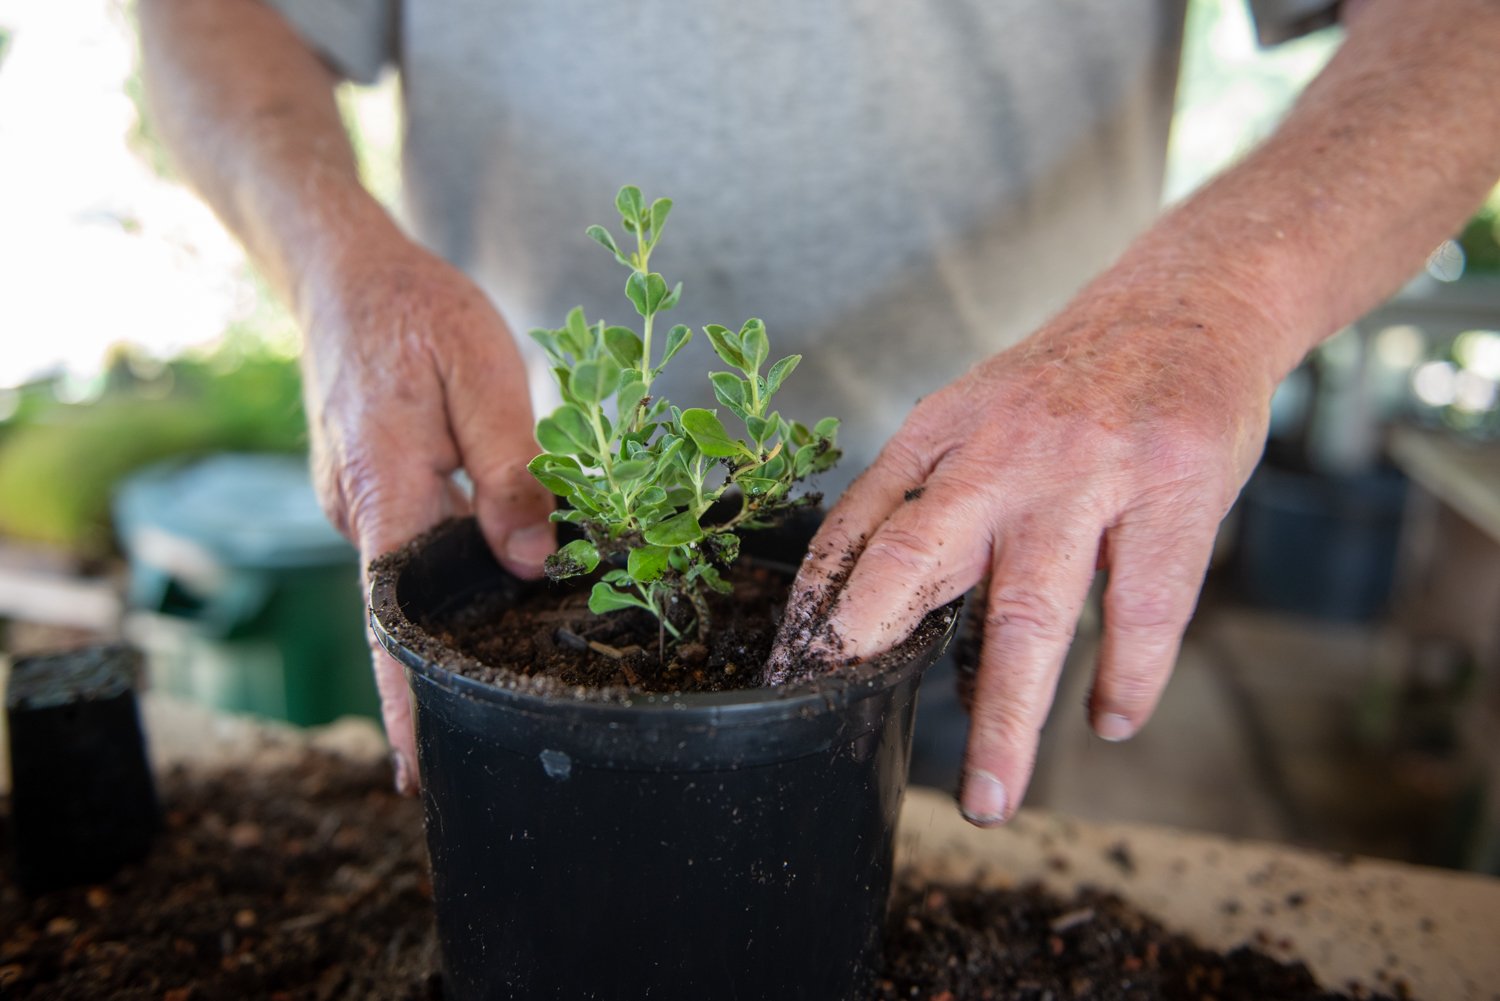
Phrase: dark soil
pixel 307 883
pixel 541 638
pixel 552 633
pixel 952 943
pixel 311 883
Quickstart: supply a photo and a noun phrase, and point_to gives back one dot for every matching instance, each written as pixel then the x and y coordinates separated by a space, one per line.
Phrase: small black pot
pixel 724 845
pixel 83 802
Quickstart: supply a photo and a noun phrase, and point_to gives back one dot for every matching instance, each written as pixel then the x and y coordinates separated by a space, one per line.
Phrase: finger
pixel 865 505
pixel 832 553
pixel 1039 583
pixel 494 434
pixel 931 549
pixel 1156 570
pixel 386 507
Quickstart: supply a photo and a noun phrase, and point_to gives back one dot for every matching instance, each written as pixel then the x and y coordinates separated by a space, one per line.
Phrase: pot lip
pixel 744 706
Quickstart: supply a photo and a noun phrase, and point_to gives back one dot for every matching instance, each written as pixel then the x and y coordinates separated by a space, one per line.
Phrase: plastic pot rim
pixel 739 707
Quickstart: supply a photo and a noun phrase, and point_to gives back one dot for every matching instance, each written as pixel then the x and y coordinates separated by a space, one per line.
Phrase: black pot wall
pixel 725 845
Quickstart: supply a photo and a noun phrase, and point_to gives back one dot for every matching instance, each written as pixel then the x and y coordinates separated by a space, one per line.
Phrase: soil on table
pixel 302 883
pixel 311 882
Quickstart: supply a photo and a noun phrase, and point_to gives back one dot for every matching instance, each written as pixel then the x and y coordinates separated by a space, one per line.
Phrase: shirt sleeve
pixel 1278 21
pixel 356 37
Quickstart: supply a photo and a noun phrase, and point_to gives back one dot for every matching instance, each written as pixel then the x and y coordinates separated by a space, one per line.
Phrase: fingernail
pixel 530 546
pixel 404 784
pixel 1114 727
pixel 984 799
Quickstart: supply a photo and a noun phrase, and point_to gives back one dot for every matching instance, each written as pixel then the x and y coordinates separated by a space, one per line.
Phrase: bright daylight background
pixel 100 246
pixel 132 328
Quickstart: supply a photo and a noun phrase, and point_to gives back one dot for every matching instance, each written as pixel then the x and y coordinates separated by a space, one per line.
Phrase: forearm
pixel 1387 152
pixel 248 113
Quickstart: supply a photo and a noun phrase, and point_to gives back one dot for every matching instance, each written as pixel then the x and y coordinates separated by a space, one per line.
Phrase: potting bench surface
pixel 1352 920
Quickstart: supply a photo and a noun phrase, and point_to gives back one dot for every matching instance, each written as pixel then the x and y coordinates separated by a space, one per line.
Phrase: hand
pixel 410 375
pixel 1116 437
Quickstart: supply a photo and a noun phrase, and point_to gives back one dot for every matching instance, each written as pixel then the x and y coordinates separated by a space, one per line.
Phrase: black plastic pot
pixel 725 845
pixel 82 799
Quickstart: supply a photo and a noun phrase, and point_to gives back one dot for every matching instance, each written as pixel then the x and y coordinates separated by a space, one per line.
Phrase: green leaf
pixel 632 391
pixel 596 380
pixel 580 552
pixel 711 577
pixel 575 335
pixel 630 203
pixel 704 427
pixel 827 427
pixel 562 465
pixel 624 344
pixel 556 484
pixel 602 236
pixel 659 211
pixel 779 372
pixel 757 486
pixel 677 338
pixel 730 390
pixel 669 454
pixel 725 345
pixel 632 469
pixel 646 292
pixel 558 473
pixel 548 340
pixel 604 598
pixel 754 345
pixel 757 426
pixel 647 563
pixel 678 530
pixel 800 434
pixel 566 432
pixel 723 548
pixel 652 496
pixel 568 515
pixel 672 297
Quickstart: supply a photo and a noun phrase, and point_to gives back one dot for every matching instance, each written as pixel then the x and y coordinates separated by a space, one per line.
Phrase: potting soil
pixel 310 882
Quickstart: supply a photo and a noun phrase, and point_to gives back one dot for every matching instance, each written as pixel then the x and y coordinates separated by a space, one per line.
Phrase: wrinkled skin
pixel 411 375
pixel 1116 437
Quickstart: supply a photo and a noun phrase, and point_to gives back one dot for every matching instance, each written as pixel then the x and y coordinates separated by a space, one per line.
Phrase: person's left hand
pixel 1116 437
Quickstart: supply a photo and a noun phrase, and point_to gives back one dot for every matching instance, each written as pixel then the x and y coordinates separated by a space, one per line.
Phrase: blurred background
pixel 1338 687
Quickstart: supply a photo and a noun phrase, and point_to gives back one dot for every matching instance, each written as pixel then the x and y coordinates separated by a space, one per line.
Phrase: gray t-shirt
pixel 897 188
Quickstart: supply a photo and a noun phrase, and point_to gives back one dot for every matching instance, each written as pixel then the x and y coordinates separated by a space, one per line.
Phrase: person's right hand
pixel 409 375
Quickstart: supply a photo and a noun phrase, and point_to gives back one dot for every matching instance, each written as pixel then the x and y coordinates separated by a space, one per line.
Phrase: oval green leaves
pixel 649 294
pixel 779 372
pixel 595 381
pixel 566 432
pixel 647 563
pixel 578 556
pixel 754 345
pixel 604 598
pixel 624 344
pixel 679 530
pixel 630 203
pixel 704 427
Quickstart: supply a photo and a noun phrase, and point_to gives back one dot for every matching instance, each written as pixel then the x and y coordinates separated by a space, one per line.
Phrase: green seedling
pixel 643 479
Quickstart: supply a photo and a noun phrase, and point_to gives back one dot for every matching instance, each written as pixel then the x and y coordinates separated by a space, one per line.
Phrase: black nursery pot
pixel 82 799
pixel 724 845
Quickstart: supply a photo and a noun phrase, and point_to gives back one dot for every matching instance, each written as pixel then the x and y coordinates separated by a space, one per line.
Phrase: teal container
pixel 241 594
